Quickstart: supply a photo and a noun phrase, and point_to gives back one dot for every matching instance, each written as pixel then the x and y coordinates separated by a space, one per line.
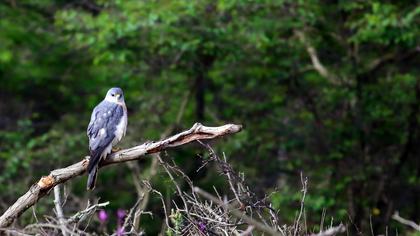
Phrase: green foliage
pixel 176 218
pixel 14 160
pixel 354 133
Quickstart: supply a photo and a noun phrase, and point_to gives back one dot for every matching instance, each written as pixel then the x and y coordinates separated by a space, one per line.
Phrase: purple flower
pixel 120 214
pixel 102 215
pixel 202 226
pixel 120 231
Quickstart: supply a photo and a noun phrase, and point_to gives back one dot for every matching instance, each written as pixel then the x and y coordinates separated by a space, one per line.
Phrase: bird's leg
pixel 86 160
pixel 115 149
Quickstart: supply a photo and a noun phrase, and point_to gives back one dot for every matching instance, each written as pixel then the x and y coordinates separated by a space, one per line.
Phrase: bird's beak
pixel 118 95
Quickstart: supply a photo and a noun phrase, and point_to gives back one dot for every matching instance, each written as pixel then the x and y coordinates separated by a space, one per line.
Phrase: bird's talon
pixel 85 161
pixel 116 149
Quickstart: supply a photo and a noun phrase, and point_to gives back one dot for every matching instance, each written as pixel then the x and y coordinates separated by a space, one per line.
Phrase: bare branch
pixel 396 216
pixel 82 215
pixel 258 225
pixel 144 195
pixel 45 184
pixel 316 62
pixel 376 64
pixel 302 202
pixel 332 231
pixel 59 209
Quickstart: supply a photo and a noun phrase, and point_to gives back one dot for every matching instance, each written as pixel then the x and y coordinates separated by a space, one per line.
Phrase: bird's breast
pixel 121 128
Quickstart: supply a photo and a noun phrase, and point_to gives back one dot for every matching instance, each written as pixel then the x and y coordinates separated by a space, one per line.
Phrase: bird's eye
pixel 113 94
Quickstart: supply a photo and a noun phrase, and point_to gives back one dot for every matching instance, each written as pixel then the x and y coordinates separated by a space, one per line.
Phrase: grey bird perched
pixel 107 126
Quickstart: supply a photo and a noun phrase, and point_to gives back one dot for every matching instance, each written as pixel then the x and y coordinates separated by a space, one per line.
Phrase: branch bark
pixel 58 176
pixel 316 62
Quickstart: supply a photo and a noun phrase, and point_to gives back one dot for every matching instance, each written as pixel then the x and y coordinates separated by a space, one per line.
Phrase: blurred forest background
pixel 327 88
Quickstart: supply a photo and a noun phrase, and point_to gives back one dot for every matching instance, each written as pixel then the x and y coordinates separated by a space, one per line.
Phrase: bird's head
pixel 115 95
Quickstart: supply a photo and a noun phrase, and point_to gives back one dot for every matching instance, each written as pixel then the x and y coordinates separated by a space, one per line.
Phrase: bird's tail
pixel 92 178
pixel 93 170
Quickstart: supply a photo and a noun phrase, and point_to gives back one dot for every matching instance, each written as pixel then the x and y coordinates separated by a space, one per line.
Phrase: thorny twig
pixel 243 195
pixel 211 217
pixel 262 227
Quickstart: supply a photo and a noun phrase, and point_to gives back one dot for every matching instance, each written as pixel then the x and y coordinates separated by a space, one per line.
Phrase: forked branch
pixel 58 176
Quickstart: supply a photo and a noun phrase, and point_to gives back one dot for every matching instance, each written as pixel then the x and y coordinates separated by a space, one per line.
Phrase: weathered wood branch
pixel 58 176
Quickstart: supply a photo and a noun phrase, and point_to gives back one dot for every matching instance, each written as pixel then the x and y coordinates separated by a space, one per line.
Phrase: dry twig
pixel 258 225
pixel 332 231
pixel 396 216
pixel 45 184
pixel 144 195
pixel 59 209
pixel 302 202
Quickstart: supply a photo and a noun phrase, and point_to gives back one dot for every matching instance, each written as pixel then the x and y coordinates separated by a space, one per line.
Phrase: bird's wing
pixel 104 120
pixel 101 130
pixel 89 130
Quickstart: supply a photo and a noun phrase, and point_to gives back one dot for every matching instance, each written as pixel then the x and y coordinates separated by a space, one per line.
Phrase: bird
pixel 107 126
